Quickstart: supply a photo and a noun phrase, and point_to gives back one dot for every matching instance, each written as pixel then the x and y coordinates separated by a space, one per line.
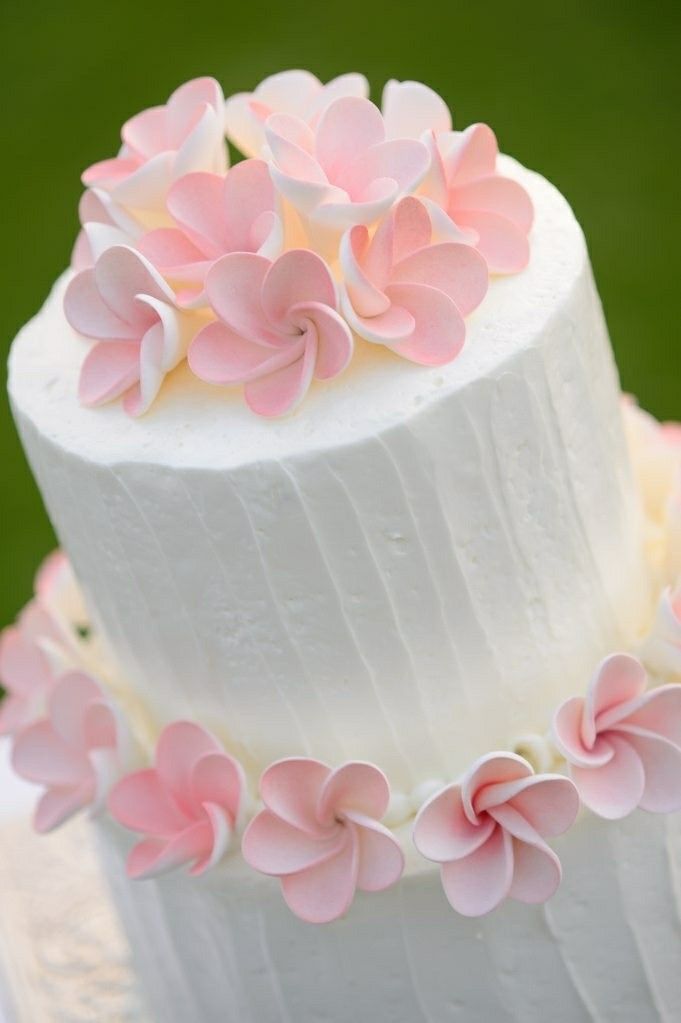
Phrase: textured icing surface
pixel 412 570
pixel 605 947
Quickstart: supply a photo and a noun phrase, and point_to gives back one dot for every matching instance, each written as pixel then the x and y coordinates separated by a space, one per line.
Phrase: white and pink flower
pixel 661 649
pixel 290 92
pixel 320 834
pixel 278 328
pixel 623 744
pixel 161 145
pixel 187 805
pixel 345 171
pixel 74 752
pixel 488 833
pixel 214 216
pixel 126 306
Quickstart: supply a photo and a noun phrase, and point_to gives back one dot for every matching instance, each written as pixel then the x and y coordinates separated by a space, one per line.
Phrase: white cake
pixel 413 569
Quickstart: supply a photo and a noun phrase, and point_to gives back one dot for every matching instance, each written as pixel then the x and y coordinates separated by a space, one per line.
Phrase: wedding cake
pixel 364 647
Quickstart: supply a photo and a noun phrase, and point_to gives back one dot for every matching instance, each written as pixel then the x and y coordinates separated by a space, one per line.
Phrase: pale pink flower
pixel 186 805
pixel 488 833
pixel 278 328
pixel 27 676
pixel 103 224
pixel 73 752
pixel 289 92
pixel 412 109
pixel 320 834
pixel 661 649
pixel 405 291
pixel 623 744
pixel 125 305
pixel 214 215
pixel 161 145
pixel 345 171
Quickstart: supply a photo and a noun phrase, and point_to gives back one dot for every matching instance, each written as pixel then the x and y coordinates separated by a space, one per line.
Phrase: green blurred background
pixel 588 96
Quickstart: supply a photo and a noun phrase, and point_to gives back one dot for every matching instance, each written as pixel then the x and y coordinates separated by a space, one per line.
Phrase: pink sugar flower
pixel 345 171
pixel 488 832
pixel 411 109
pixel 403 291
pixel 661 650
pixel 320 834
pixel 186 805
pixel 215 215
pixel 162 144
pixel 289 92
pixel 27 676
pixel 278 328
pixel 125 305
pixel 73 752
pixel 623 744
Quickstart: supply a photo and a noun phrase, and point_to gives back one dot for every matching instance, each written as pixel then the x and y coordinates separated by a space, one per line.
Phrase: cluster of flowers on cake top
pixel 343 222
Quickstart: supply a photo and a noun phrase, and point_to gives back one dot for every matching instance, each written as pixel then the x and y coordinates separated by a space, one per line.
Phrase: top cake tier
pixel 411 569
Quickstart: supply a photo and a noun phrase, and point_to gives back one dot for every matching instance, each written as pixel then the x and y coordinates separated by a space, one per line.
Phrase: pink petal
pixel 41 755
pixel 618 679
pixel 196 202
pixel 161 349
pixel 403 161
pixel 57 805
pixel 495 194
pixel 24 668
pixel 234 287
pixel 88 313
pixel 365 297
pixel 334 340
pixel 291 789
pixel 614 790
pixel 15 714
pixel 351 84
pixel 661 761
pixel 289 91
pixel 491 769
pixel 298 276
pixel 282 391
pixel 248 193
pixel 410 109
pixel 179 748
pixel 292 143
pixel 567 735
pixel 356 786
pixel 411 228
pixel 273 846
pixel 550 803
pixel 68 704
pixel 145 133
pixel 121 275
pixel 109 369
pixel 536 873
pixel 141 802
pixel 389 328
pixel 457 270
pixel 220 356
pixel 106 173
pixel 657 711
pixel 222 828
pixel 474 155
pixel 347 128
pixel 439 329
pixel 477 884
pixel 443 832
pixel 153 857
pixel 381 861
pixel 324 892
pixel 505 247
pixel 147 186
pixel 218 778
pixel 187 104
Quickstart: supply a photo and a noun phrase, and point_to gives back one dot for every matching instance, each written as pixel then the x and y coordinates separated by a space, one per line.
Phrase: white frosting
pixel 413 569
pixel 606 947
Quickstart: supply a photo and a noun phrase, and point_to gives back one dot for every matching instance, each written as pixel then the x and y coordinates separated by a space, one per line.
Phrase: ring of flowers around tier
pixel 345 224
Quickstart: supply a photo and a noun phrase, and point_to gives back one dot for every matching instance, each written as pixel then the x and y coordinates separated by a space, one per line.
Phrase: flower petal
pixel 477 884
pixel 661 761
pixel 457 270
pixel 366 299
pixel 109 369
pixel 88 313
pixel 617 680
pixel 234 287
pixel 196 202
pixel 443 832
pixel 141 802
pixel 495 194
pixel 491 769
pixel 537 873
pixel 291 789
pixel 218 778
pixel 68 704
pixel 121 275
pixel 411 108
pixel 282 390
pixel 57 805
pixel 179 748
pixel 381 860
pixel 153 856
pixel 348 128
pixel 41 755
pixel 550 803
pixel 504 246
pixel 324 892
pixel 615 789
pixel 439 329
pixel 220 356
pixel 24 668
pixel 298 276
pixel 334 340
pixel 471 154
pixel 248 193
pixel 273 846
pixel 658 711
pixel 357 786
pixel 403 161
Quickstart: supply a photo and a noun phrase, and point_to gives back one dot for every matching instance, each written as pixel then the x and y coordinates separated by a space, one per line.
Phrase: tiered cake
pixel 387 586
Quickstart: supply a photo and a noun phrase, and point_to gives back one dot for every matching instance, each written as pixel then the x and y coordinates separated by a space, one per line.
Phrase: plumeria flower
pixel 488 833
pixel 412 109
pixel 345 171
pixel 320 834
pixel 623 744
pixel 125 305
pixel 27 677
pixel 161 145
pixel 278 329
pixel 186 805
pixel 103 224
pixel 214 215
pixel 75 752
pixel 403 291
pixel 289 92
pixel 661 650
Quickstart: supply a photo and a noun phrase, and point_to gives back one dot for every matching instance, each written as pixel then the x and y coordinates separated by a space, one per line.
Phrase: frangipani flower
pixel 215 215
pixel 125 305
pixel 187 805
pixel 345 171
pixel 403 291
pixel 320 834
pixel 412 109
pixel 289 92
pixel 27 676
pixel 623 744
pixel 74 752
pixel 278 328
pixel 661 650
pixel 103 224
pixel 161 145
pixel 488 832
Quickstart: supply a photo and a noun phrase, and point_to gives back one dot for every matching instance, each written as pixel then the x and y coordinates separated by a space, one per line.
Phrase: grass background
pixel 589 96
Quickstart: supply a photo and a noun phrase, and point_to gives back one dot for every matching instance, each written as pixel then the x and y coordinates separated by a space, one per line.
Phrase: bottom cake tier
pixel 606 947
